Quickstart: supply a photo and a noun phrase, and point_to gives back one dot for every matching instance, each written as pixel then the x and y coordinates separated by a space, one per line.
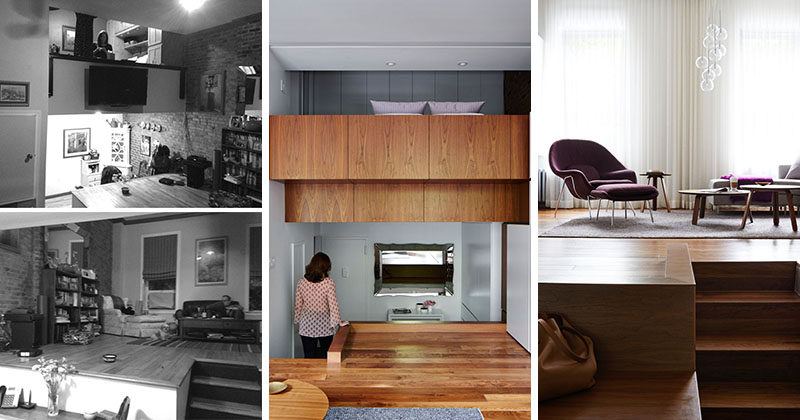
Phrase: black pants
pixel 316 347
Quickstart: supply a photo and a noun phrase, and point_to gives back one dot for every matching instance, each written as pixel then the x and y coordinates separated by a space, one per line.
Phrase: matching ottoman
pixel 625 193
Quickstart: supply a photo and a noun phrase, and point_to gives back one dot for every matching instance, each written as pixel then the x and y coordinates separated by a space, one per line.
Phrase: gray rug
pixel 370 413
pixel 677 224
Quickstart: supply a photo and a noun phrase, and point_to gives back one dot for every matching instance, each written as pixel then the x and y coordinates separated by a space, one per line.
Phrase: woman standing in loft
pixel 316 308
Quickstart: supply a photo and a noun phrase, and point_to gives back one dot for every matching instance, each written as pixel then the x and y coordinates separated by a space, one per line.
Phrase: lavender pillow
pixel 455 107
pixel 794 170
pixel 382 107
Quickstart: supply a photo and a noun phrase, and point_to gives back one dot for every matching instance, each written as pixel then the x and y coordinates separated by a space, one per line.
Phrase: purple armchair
pixel 590 172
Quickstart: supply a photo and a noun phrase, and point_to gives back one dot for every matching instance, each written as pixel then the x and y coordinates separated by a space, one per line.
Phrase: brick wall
pixel 214 50
pixel 21 271
pixel 99 255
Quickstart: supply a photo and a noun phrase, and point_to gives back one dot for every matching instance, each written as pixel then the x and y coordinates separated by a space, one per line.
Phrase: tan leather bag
pixel 566 358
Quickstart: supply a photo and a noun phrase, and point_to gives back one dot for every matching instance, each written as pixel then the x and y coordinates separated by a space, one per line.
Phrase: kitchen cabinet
pixel 520 146
pixel 470 147
pixel 164 47
pixel 388 146
pixel 388 202
pixel 311 147
pixel 319 202
pixel 476 202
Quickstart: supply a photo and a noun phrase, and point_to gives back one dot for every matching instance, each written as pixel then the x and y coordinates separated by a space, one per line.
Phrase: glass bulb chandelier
pixel 715 50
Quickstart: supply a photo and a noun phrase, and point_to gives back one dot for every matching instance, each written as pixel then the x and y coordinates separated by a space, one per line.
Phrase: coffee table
pixel 198 328
pixel 700 202
pixel 776 191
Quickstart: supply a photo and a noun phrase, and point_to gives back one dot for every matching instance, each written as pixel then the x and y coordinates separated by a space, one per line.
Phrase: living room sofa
pixel 780 180
pixel 116 323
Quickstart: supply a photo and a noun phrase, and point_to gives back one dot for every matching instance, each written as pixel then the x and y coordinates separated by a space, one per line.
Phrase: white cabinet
pixel 518 283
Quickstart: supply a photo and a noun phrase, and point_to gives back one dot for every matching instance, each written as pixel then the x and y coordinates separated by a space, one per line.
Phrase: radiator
pixel 542 179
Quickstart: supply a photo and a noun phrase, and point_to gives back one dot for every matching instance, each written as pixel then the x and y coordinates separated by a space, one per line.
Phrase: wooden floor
pixel 143 364
pixel 469 365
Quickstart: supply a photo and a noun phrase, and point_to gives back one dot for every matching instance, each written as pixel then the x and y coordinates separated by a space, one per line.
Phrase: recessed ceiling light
pixel 192 5
pixel 462 63
pixel 391 63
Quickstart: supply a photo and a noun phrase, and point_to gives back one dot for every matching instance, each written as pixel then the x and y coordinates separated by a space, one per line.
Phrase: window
pixel 159 270
pixel 254 258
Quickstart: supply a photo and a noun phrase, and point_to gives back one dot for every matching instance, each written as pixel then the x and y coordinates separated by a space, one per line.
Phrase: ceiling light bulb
pixel 192 5
pixel 390 63
pixel 462 63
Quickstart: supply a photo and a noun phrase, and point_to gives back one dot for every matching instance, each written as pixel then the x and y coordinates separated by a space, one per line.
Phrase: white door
pixel 518 283
pixel 349 272
pixel 19 132
pixel 298 255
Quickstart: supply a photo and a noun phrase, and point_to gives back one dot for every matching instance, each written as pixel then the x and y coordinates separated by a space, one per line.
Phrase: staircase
pixel 748 340
pixel 224 391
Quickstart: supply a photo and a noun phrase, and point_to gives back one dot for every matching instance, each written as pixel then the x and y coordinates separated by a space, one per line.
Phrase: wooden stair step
pixel 226 383
pixel 748 365
pixel 781 395
pixel 751 296
pixel 226 407
pixel 752 342
pixel 742 276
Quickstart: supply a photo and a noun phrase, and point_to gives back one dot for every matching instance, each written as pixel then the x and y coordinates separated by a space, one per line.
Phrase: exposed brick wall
pixel 194 132
pixel 21 272
pixel 100 252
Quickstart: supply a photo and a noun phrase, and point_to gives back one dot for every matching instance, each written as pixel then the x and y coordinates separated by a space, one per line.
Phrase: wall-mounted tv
pixel 116 86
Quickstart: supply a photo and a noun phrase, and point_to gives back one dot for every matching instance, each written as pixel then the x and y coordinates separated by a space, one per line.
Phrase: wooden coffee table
pixel 776 191
pixel 301 400
pixel 197 329
pixel 700 202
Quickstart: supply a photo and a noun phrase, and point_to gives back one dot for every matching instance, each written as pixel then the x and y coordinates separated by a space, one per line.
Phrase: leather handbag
pixel 566 358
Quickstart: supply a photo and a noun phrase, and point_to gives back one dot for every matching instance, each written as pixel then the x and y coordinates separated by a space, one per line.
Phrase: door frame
pixel 292 287
pixel 366 253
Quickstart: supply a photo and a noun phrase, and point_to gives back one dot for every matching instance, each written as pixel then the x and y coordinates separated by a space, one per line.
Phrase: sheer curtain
pixel 621 72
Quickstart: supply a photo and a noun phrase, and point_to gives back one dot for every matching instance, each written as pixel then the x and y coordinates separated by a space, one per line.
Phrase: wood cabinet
pixel 164 47
pixel 387 146
pixel 311 147
pixel 319 202
pixel 470 147
pixel 388 202
pixel 520 146
pixel 480 202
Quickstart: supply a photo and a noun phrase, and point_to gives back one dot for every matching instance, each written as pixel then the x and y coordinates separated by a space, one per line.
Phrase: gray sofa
pixel 781 179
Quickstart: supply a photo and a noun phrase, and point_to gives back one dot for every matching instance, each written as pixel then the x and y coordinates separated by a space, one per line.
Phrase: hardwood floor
pixel 437 365
pixel 165 366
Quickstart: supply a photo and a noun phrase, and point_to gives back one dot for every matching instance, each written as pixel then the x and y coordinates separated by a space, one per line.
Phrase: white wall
pixel 126 276
pixel 439 233
pixel 23 43
pixel 60 240
pixel 287 102
pixel 281 295
pixel 63 174
pixel 482 271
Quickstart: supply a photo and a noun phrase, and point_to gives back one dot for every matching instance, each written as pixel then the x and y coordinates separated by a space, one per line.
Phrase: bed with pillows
pixel 433 107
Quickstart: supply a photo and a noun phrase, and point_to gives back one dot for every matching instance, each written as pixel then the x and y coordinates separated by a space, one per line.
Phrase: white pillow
pixel 383 107
pixel 455 107
pixel 794 170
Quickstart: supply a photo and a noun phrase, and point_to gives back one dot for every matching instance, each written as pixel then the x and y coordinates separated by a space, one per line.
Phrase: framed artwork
pixel 53 253
pixel 145 145
pixel 77 142
pixel 9 239
pixel 67 38
pixel 15 93
pixel 212 92
pixel 242 95
pixel 211 261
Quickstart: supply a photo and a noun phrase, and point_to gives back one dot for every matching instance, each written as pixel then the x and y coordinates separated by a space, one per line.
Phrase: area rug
pixel 197 344
pixel 677 224
pixel 370 413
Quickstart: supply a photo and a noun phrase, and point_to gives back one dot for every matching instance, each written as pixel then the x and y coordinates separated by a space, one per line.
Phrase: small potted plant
pixel 53 371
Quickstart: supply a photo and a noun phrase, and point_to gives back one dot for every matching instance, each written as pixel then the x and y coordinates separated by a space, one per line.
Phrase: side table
pixel 654 177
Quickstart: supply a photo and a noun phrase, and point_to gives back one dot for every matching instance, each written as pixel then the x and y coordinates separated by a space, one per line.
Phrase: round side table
pixel 654 177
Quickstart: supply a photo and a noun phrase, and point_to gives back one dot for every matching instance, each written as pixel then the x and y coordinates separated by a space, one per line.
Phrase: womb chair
pixel 590 172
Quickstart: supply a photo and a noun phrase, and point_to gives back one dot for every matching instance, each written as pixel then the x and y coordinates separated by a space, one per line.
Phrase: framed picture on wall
pixel 211 261
pixel 67 38
pixel 77 142
pixel 15 93
pixel 145 145
pixel 212 92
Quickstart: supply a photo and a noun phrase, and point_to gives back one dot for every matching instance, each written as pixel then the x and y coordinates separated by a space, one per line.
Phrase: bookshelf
pixel 72 302
pixel 241 162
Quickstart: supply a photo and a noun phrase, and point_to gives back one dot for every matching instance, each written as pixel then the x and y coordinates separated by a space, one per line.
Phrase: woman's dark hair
pixel 318 268
pixel 98 38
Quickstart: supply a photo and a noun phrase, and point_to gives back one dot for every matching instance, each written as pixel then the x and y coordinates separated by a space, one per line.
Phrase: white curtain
pixel 621 72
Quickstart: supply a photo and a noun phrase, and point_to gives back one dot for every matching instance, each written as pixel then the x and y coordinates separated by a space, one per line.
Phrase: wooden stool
pixel 655 176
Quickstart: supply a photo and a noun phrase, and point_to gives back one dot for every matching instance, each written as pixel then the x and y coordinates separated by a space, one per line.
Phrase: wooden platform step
pixel 744 276
pixel 748 365
pixel 226 383
pixel 780 395
pixel 225 409
pixel 739 313
pixel 750 296
pixel 748 342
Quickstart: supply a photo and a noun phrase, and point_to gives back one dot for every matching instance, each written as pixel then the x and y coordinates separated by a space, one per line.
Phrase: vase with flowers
pixel 54 372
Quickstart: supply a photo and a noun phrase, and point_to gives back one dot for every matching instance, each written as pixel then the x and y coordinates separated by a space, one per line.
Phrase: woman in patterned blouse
pixel 316 308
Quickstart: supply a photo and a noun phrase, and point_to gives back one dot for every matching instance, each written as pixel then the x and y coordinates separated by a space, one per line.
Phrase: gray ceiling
pixel 168 15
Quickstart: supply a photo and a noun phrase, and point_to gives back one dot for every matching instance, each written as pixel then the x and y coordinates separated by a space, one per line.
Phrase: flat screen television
pixel 117 86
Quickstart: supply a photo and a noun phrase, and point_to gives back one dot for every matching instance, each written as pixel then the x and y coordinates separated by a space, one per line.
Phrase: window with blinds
pixel 255 269
pixel 159 267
